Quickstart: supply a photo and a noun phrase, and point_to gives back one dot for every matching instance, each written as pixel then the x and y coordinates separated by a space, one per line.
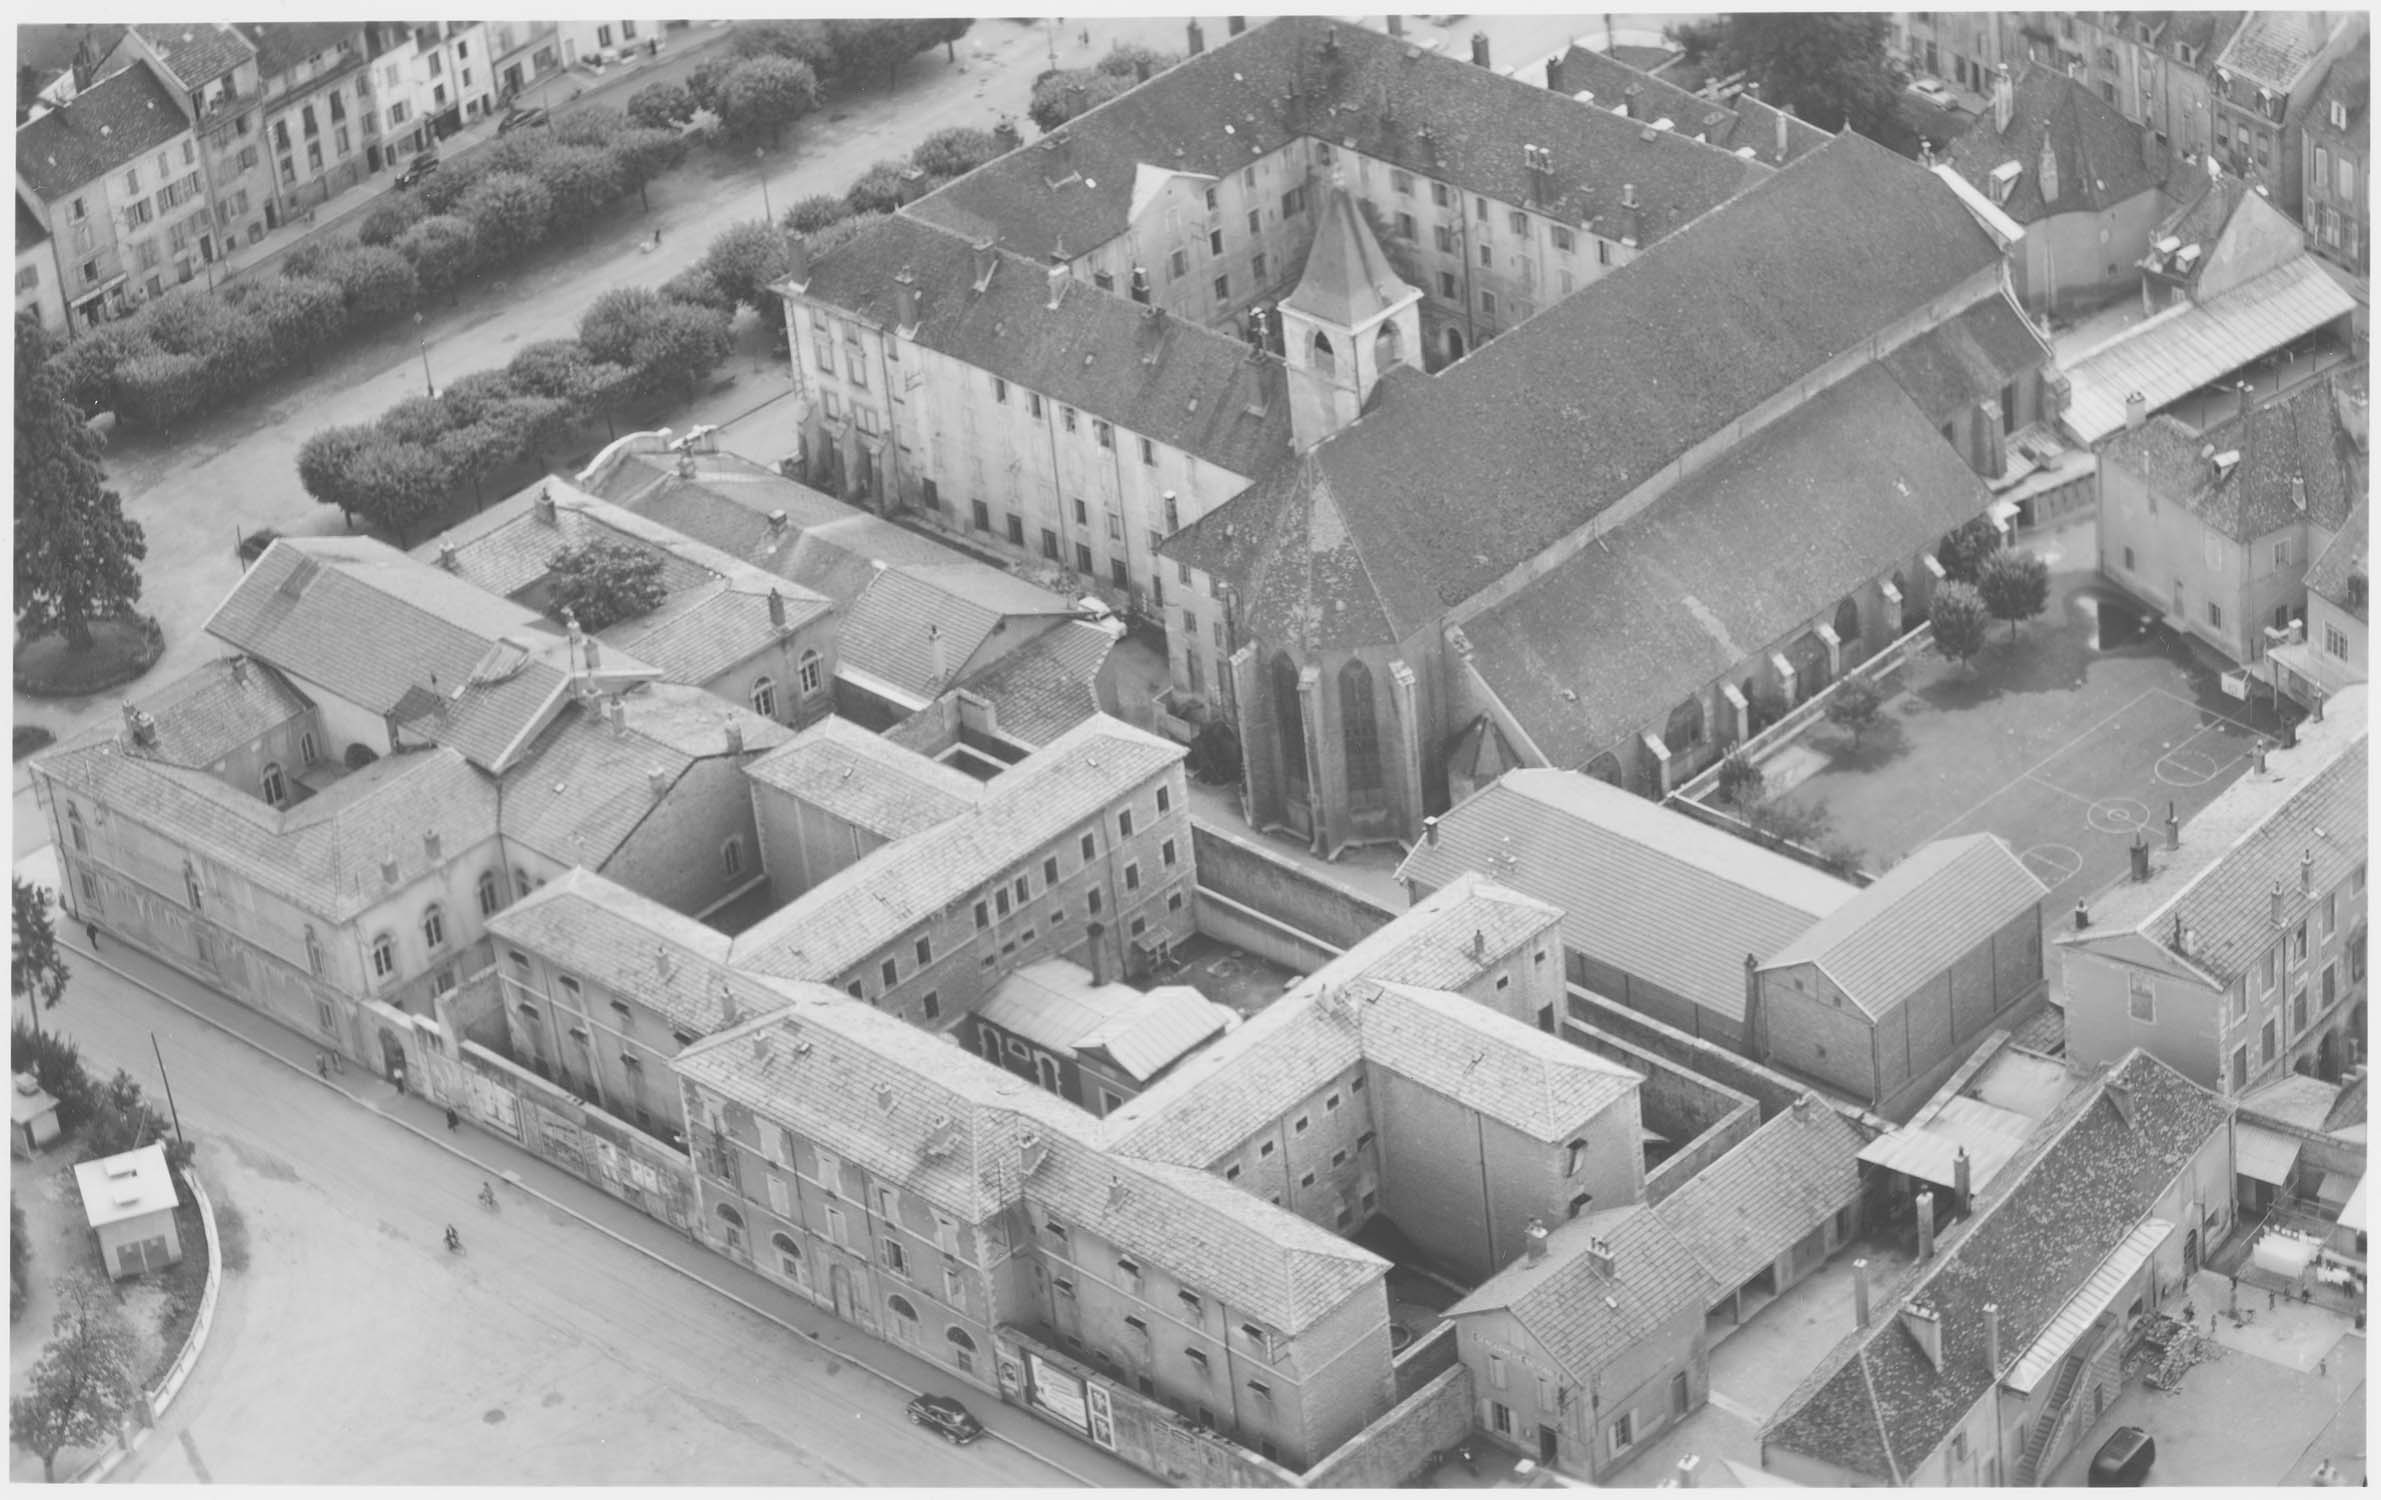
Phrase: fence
pixel 557 1126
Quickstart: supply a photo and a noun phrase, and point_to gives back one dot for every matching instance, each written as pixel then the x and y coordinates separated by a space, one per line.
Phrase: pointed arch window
pixel 1359 730
pixel 1289 718
pixel 313 953
pixel 1388 348
pixel 1322 357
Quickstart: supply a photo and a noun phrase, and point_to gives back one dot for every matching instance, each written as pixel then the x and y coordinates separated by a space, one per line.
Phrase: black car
pixel 945 1415
pixel 2124 1459
pixel 421 167
pixel 521 119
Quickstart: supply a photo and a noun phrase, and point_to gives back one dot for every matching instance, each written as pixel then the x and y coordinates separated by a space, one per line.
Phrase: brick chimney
pixel 1992 1338
pixel 935 654
pixel 239 669
pixel 2174 829
pixel 1480 49
pixel 905 302
pixel 1533 1237
pixel 1430 832
pixel 1960 1195
pixel 2004 99
pixel 1059 277
pixel 2083 915
pixel 2257 757
pixel 797 256
pixel 2141 858
pixel 543 506
pixel 1925 1327
pixel 777 606
pixel 1197 39
pixel 2306 873
pixel 431 844
pixel 1600 1256
pixel 446 556
pixel 1860 1292
pixel 2277 904
pixel 1926 1225
pixel 735 737
pixel 1554 74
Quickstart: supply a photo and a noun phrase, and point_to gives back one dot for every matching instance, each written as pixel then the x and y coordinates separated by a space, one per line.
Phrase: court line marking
pixel 2126 708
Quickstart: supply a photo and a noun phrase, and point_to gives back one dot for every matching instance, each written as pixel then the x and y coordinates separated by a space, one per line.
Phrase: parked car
pixel 1932 90
pixel 521 119
pixel 946 1415
pixel 419 168
pixel 2124 1459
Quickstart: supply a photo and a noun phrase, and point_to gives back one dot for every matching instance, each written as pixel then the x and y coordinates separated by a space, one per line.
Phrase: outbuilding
pixel 129 1201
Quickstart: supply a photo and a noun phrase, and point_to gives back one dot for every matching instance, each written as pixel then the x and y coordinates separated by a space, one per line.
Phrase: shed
pixel 34 1115
pixel 129 1201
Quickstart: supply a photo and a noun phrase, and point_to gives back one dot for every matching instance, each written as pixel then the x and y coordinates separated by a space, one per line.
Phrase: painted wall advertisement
pixel 1058 1393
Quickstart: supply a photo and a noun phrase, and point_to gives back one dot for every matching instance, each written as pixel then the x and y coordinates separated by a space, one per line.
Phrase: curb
pixel 192 1346
pixel 107 1466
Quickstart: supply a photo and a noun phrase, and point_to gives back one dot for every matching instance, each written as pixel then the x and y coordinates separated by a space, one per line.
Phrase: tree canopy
pixel 1832 69
pixel 601 583
pixel 83 1386
pixel 37 970
pixel 2014 585
pixel 77 554
pixel 1960 620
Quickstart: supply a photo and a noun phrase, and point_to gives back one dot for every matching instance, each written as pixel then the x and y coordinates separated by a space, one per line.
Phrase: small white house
pixel 129 1201
pixel 34 1115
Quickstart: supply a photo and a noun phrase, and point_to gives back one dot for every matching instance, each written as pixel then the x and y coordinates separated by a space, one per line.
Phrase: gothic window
pixel 1388 347
pixel 1324 360
pixel 1685 729
pixel 1847 622
pixel 1360 736
pixel 1289 719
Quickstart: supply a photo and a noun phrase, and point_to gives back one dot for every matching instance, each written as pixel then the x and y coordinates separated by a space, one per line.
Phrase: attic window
pixel 2339 114
pixel 2004 180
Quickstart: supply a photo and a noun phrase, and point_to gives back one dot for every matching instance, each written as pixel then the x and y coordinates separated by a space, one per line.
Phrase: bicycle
pixel 488 1197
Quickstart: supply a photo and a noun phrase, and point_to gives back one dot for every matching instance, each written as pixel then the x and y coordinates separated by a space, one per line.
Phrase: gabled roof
pixel 1584 1318
pixel 1735 124
pixel 282 45
pixel 2340 573
pixel 1525 442
pixel 1621 869
pixel 217 707
pixel 2294 1099
pixel 2276 47
pixel 1347 282
pixel 1876 1406
pixel 845 771
pixel 2348 82
pixel 1750 1207
pixel 1056 1004
pixel 892 631
pixel 1918 920
pixel 841 921
pixel 121 118
pixel 2308 803
pixel 1954 365
pixel 1520 1077
pixel 1154 376
pixel 2290 449
pixel 1042 689
pixel 665 961
pixel 364 622
pixel 1310 77
pixel 2098 152
pixel 199 52
pixel 1734 558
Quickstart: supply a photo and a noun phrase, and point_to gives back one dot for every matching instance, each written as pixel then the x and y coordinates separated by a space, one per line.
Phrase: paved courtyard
pixel 2066 742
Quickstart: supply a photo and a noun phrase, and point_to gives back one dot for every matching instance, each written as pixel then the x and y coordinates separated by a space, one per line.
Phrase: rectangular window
pixel 1407 229
pixel 1624 1432
pixel 1177 265
pixel 1105 433
pixel 1447 285
pixel 1033 405
pixel 1564 240
pixel 1223 288
pixel 1132 877
pixel 1256 222
pixel 1519 222
pixel 1166 853
pixel 1444 238
pixel 1215 242
pixel 2266 1043
pixel 2140 997
pixel 1148 453
pixel 890 971
pixel 1090 848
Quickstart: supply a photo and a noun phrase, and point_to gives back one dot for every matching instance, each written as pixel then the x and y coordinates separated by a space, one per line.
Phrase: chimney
pixel 2290 734
pixel 934 652
pixel 1430 832
pixel 543 506
pixel 2306 873
pixel 1802 1106
pixel 1599 1255
pixel 2137 407
pixel 2004 99
pixel 2277 904
pixel 1059 276
pixel 239 669
pixel 1533 1235
pixel 446 556
pixel 388 869
pixel 1480 49
pixel 1141 285
pixel 986 259
pixel 2314 696
pixel 430 844
pixel 2141 858
pixel 797 257
pixel 1628 100
pixel 1780 113
pixel 1992 1339
pixel 1688 1463
pixel 777 522
pixel 735 738
pixel 2083 916
pixel 2120 1094
pixel 1197 39
pixel 1479 945
pixel 1925 1326
pixel 1554 74
pixel 1234 25
pixel 1926 1225
pixel 661 959
pixel 1959 1182
pixel 1860 1292
pixel 1102 967
pixel 594 652
pixel 2257 757
pixel 1397 26
pixel 777 607
pixel 657 779
pixel 905 303
pixel 2174 829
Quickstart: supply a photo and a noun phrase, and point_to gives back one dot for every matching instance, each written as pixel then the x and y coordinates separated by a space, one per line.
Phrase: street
pixel 355 1349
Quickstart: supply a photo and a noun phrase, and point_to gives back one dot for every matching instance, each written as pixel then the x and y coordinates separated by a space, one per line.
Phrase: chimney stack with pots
pixel 1600 1256
pixel 1554 74
pixel 1480 49
pixel 1860 1292
pixel 1430 832
pixel 1533 1235
pixel 2141 858
pixel 2174 830
pixel 777 608
pixel 2137 408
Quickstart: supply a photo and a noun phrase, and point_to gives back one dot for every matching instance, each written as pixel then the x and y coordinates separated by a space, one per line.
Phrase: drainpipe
pixel 1471 331
pixel 1057 481
pixel 884 366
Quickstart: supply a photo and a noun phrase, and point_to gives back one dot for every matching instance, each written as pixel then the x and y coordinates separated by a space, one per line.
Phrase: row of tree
pixel 77 554
pixel 771 73
pixel 196 350
pixel 1063 93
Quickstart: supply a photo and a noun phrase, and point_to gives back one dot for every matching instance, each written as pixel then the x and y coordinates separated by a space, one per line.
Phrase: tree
pixel 745 261
pixel 1781 820
pixel 704 79
pixel 76 553
pixel 327 466
pixel 122 1119
pixel 679 346
pixel 37 970
pixel 82 1388
pixel 661 106
pixel 57 1065
pixel 86 369
pixel 803 41
pixel 1061 95
pixel 300 314
pixel 764 95
pixel 376 280
pixel 1854 705
pixel 816 212
pixel 1964 548
pixel 157 389
pixel 508 213
pixel 1739 781
pixel 1834 70
pixel 588 125
pixel 397 485
pixel 473 398
pixel 1960 620
pixel 563 370
pixel 697 285
pixel 390 217
pixel 601 583
pixel 955 151
pixel 880 189
pixel 442 250
pixel 639 156
pixel 1139 63
pixel 2014 585
pixel 416 419
pixel 582 181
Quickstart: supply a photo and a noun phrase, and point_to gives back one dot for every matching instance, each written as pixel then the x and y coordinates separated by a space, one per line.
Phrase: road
pixel 355 1349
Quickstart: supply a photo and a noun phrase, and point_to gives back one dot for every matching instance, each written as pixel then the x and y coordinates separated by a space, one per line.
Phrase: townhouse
pixel 2335 160
pixel 2235 952
pixel 39 291
pixel 2266 81
pixel 522 53
pixel 113 175
pixel 2156 67
pixel 214 72
pixel 2330 655
pixel 321 121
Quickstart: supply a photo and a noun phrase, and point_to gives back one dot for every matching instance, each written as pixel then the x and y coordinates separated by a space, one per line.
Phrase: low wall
pixel 1428 1358
pixel 1705 1118
pixel 1147 1434
pixel 1399 1446
pixel 170 1384
pixel 1227 921
pixel 1247 873
pixel 1767 1087
pixel 557 1126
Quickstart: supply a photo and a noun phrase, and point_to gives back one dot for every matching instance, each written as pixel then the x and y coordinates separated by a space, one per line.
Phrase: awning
pixel 2264 1155
pixel 2336 1189
pixel 2352 1212
pixel 1930 1151
pixel 2084 1308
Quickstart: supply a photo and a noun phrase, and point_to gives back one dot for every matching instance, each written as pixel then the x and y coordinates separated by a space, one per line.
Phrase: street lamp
pixel 760 158
pixel 423 339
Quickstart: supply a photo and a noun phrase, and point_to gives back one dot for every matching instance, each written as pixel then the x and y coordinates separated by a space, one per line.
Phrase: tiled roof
pixel 664 961
pixel 1042 689
pixel 825 545
pixel 1524 442
pixel 1952 367
pixel 1517 1075
pixel 1347 281
pixel 282 45
pixel 2340 573
pixel 199 52
pixel 2295 1099
pixel 1306 76
pixel 2309 801
pixel 844 919
pixel 2291 447
pixel 1621 869
pixel 2098 152
pixel 122 118
pixel 364 622
pixel 2350 82
pixel 890 631
pixel 1209 1107
pixel 1732 125
pixel 218 707
pixel 1056 1003
pixel 1159 377
pixel 1922 917
pixel 1747 1209
pixel 1446 944
pixel 1838 491
pixel 322 856
pixel 29 230
pixel 1584 1318
pixel 2277 47
pixel 1877 1406
pixel 509 548
pixel 845 771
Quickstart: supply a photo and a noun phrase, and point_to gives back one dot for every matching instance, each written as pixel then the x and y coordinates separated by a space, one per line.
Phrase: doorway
pixel 1549 1444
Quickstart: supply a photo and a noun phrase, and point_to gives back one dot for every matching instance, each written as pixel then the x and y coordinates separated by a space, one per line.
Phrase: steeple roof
pixel 1348 280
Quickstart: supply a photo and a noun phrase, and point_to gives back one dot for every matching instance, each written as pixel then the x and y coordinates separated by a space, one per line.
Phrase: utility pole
pixel 169 1090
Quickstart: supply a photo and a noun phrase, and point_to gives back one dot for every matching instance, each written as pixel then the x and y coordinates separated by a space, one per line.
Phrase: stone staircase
pixel 2046 1427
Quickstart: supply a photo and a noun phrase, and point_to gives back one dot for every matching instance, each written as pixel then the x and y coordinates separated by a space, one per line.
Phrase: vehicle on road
pixel 1932 90
pixel 419 168
pixel 946 1415
pixel 521 119
pixel 2124 1459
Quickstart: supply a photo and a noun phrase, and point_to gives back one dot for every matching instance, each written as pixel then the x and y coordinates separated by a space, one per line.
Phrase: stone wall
pixel 1147 1434
pixel 1234 867
pixel 1768 1088
pixel 1401 1444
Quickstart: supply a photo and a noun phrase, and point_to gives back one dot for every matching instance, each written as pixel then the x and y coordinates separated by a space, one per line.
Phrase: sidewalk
pixel 527 1175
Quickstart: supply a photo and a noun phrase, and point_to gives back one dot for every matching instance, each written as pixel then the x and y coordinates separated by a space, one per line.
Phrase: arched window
pixel 1388 348
pixel 899 1306
pixel 1685 729
pixel 1454 345
pixel 1847 622
pixel 313 953
pixel 521 880
pixel 731 857
pixel 729 1216
pixel 274 789
pixel 963 1350
pixel 814 675
pixel 74 829
pixel 190 886
pixel 1359 732
pixel 384 955
pixel 308 750
pixel 434 927
pixel 491 895
pixel 732 1228
pixel 764 697
pixel 1321 356
pixel 1289 719
pixel 789 1256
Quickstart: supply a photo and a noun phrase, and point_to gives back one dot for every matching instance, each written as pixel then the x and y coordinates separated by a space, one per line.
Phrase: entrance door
pixel 2190 1254
pixel 1549 1442
pixel 392 1053
pixel 841 1279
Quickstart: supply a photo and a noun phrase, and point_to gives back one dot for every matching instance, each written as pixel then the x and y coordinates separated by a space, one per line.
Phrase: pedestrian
pixel 1086 36
pixel 2323 1368
pixel 453 1121
pixel 2269 1299
pixel 91 931
pixel 322 1065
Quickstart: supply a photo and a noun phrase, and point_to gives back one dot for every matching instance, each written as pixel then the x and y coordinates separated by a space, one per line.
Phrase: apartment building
pixel 321 120
pixel 2331 654
pixel 429 79
pixel 114 176
pixel 2267 78
pixel 39 290
pixel 597 44
pixel 2235 951
pixel 2336 161
pixel 522 54
pixel 2157 68
pixel 214 70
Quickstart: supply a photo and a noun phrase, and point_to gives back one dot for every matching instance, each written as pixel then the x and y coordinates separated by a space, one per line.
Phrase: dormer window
pixel 2339 114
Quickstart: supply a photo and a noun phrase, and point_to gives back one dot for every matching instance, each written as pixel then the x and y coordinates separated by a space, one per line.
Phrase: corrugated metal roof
pixel 1929 1151
pixel 2263 1155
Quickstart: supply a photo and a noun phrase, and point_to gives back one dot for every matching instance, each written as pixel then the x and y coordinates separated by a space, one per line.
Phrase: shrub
pixel 744 261
pixel 955 151
pixel 763 95
pixel 601 583
pixel 377 282
pixel 442 250
pixel 661 106
pixel 879 189
pixel 816 212
pixel 158 389
pixel 508 213
pixel 390 217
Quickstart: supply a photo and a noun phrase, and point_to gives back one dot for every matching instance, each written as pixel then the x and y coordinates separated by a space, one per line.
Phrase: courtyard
pixel 2066 742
